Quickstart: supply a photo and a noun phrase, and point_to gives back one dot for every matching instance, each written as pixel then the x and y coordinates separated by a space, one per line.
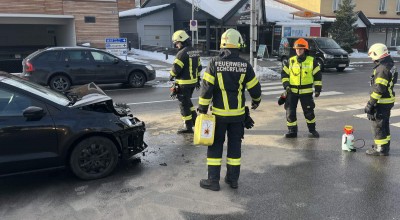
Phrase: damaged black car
pixel 84 130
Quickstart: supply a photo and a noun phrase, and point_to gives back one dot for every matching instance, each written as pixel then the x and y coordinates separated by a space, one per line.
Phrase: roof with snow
pixel 218 9
pixel 142 11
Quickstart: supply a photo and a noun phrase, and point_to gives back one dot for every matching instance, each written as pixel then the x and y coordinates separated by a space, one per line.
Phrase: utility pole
pixel 252 34
pixel 192 19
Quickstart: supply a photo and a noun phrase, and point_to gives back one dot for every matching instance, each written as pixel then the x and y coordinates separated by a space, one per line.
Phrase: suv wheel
pixel 137 80
pixel 93 158
pixel 340 69
pixel 321 64
pixel 60 83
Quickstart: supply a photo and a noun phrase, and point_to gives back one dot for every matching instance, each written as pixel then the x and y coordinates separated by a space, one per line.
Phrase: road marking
pixel 322 93
pixel 168 100
pixel 272 88
pixel 271 83
pixel 393 113
pixel 345 107
pixel 396 124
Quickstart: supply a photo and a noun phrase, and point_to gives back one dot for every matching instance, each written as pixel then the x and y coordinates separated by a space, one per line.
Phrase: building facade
pixel 384 16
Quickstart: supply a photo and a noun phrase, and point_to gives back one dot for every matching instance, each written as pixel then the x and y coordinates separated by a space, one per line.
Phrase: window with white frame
pixel 382 5
pixel 395 37
pixel 398 6
pixel 336 5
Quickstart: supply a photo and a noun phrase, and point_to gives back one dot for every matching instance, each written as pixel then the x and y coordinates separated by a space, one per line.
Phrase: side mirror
pixel 116 60
pixel 33 113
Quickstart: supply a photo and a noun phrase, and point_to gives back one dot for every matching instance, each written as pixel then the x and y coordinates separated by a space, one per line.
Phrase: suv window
pixel 76 56
pixel 311 44
pixel 327 43
pixel 102 57
pixel 49 56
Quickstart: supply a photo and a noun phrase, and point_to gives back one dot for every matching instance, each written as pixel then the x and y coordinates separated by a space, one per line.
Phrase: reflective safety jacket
pixel 300 74
pixel 186 67
pixel 224 83
pixel 383 80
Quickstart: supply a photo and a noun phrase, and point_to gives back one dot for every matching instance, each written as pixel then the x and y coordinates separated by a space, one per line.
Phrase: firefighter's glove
pixel 316 95
pixel 198 83
pixel 202 109
pixel 370 110
pixel 282 98
pixel 248 121
pixel 254 104
pixel 173 91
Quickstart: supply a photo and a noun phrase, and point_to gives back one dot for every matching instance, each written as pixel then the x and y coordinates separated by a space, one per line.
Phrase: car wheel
pixel 340 69
pixel 60 83
pixel 285 61
pixel 93 158
pixel 321 65
pixel 137 80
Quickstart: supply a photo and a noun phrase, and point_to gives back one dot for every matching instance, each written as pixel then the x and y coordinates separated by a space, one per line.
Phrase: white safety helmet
pixel 231 38
pixel 179 36
pixel 378 51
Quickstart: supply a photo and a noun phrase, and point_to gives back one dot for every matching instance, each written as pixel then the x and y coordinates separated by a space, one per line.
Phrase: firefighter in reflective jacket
pixel 224 83
pixel 381 99
pixel 298 77
pixel 186 72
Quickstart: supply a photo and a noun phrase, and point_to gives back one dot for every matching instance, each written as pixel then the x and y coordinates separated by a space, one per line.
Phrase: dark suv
pixel 327 52
pixel 61 67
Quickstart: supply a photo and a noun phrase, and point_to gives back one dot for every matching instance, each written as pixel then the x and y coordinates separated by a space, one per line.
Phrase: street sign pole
pixel 252 22
pixel 190 24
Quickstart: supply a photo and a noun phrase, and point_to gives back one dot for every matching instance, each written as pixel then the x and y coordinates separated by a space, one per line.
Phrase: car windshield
pixel 327 43
pixel 37 90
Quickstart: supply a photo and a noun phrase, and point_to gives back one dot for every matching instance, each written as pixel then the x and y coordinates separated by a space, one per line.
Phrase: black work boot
pixel 194 116
pixel 313 133
pixel 292 132
pixel 212 183
pixel 232 176
pixel 379 150
pixel 187 129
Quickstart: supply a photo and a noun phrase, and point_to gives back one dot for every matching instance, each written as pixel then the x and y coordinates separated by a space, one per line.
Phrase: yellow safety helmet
pixel 378 51
pixel 179 36
pixel 231 38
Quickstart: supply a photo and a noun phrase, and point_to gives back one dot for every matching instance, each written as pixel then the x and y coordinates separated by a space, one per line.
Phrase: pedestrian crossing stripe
pixel 275 88
pixel 393 113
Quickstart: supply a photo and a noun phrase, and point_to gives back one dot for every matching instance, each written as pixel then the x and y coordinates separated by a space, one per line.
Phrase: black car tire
pixel 93 158
pixel 340 69
pixel 60 83
pixel 321 64
pixel 136 79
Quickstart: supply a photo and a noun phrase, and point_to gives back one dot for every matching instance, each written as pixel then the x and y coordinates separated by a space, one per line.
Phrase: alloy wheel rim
pixel 137 80
pixel 94 159
pixel 60 84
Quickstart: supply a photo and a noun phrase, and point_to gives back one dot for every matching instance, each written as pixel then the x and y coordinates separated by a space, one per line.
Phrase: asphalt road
pixel 280 179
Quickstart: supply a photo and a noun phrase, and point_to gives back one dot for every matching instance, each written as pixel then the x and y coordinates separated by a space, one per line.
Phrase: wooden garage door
pixel 157 35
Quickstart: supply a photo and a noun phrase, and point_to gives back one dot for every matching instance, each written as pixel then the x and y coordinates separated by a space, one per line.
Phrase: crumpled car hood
pixel 91 99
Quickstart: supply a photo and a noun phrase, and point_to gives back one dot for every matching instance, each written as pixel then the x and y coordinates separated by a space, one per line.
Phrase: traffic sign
pixel 193 25
pixel 117 46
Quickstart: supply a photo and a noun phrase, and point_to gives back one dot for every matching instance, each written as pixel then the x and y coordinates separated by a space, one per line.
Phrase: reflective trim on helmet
pixel 214 161
pixel 179 62
pixel 252 83
pixel 209 78
pixel 233 161
pixel 382 81
pixel 203 101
